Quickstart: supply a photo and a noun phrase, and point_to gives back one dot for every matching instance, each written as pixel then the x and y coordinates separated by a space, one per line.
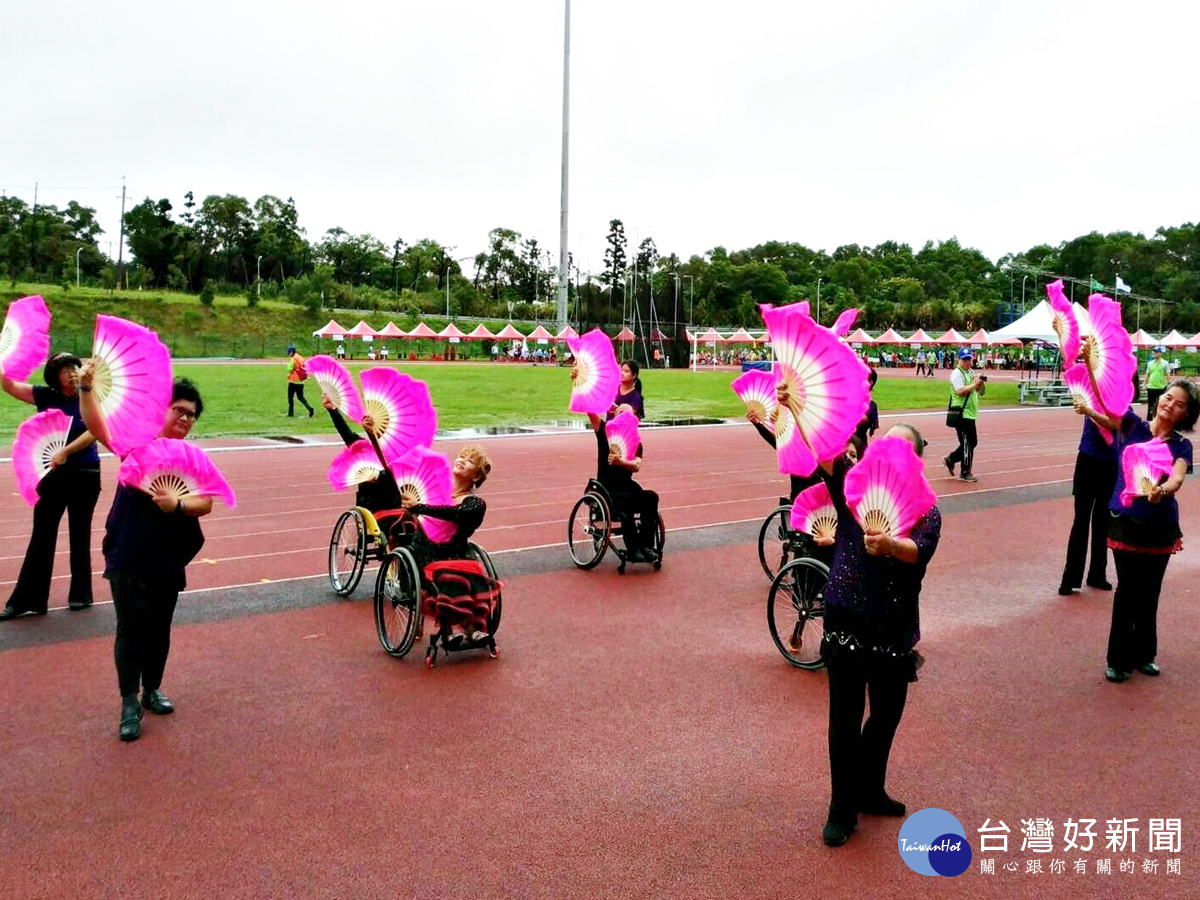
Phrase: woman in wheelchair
pixel 629 497
pixel 470 470
pixel 380 495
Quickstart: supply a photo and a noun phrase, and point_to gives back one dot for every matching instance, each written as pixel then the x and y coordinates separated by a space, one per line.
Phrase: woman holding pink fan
pixel 1143 532
pixel 72 486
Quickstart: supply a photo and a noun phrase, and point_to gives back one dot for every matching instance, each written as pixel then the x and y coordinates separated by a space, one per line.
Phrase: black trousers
pixel 634 501
pixel 1094 483
pixel 73 492
pixel 967 439
pixel 1133 635
pixel 296 389
pixel 145 604
pixel 1152 395
pixel 858 753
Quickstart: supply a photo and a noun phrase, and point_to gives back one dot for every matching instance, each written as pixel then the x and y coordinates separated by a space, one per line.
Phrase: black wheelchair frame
pixel 592 527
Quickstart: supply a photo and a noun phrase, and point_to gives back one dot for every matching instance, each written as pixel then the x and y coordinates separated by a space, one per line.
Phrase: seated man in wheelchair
pixel 380 496
pixel 458 586
pixel 630 500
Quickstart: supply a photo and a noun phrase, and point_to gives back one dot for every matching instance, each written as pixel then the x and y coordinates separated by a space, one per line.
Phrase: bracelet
pixel 86 388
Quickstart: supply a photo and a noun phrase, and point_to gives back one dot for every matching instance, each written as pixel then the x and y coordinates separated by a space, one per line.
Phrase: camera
pixel 983 378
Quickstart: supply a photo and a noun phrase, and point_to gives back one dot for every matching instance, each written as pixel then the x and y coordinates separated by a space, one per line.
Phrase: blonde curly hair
pixel 476 455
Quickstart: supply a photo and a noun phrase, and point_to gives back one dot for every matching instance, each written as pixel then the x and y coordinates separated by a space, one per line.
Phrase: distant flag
pixel 1122 287
pixel 1096 286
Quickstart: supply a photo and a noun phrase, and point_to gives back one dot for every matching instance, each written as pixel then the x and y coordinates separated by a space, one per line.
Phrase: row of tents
pixel 363 331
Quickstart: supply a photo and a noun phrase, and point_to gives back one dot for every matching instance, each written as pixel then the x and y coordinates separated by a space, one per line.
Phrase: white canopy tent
pixel 1036 325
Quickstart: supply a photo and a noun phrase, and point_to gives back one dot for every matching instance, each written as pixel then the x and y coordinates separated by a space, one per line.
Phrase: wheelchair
pixel 402 602
pixel 778 544
pixel 796 602
pixel 359 535
pixel 592 527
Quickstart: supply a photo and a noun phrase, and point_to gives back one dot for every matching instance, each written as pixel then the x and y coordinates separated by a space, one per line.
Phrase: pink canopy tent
pixel 330 329
pixel 567 332
pixel 741 336
pixel 919 337
pixel 891 336
pixel 540 334
pixel 625 334
pixel 480 333
pixel 391 330
pixel 452 331
pixel 951 337
pixel 1143 340
pixel 363 330
pixel 858 336
pixel 422 331
pixel 711 337
pixel 508 333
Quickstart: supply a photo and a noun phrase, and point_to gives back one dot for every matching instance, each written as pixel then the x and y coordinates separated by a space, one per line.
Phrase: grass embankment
pixel 251 399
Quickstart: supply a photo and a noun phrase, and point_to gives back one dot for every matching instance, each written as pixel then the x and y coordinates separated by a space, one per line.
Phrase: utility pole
pixel 121 242
pixel 33 253
pixel 562 231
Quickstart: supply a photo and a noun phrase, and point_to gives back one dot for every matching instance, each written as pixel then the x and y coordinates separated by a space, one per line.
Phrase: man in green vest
pixel 1156 381
pixel 965 391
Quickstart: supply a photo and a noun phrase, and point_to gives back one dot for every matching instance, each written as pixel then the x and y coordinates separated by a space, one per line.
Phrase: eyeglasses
pixel 181 413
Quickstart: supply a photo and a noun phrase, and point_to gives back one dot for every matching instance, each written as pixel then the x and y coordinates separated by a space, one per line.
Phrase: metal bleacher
pixel 1043 393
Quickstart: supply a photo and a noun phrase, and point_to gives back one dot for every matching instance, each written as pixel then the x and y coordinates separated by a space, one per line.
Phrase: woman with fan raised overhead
pixel 888 526
pixel 1153 459
pixel 149 540
pixel 629 393
pixel 71 485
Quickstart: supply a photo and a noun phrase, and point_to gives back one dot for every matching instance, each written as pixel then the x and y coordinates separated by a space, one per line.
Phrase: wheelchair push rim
pixel 397 603
pixel 481 555
pixel 347 552
pixel 588 531
pixel 775 541
pixel 796 612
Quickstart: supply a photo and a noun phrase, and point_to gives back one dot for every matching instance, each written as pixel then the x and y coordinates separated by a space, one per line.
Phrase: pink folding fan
pixel 814 513
pixel 38 439
pixel 1108 353
pixel 400 405
pixel 827 384
pixel 335 381
pixel 844 322
pixel 623 437
pixel 176 468
pixel 1079 382
pixel 25 339
pixel 596 376
pixel 887 490
pixel 1144 466
pixel 425 477
pixel 132 381
pixel 356 464
pixel 1063 321
pixel 756 389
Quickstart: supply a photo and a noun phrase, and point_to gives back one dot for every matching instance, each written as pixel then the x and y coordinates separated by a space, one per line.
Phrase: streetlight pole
pixel 819 299
pixel 1024 278
pixel 77 252
pixel 562 227
pixel 691 295
pixel 258 276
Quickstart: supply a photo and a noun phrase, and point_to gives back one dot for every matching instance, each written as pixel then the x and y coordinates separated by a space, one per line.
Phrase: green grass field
pixel 251 399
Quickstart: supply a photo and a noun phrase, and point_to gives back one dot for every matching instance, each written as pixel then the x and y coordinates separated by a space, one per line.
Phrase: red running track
pixel 639 736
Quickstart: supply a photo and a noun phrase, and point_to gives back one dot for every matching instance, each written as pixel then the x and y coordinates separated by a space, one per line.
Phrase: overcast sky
pixel 1005 123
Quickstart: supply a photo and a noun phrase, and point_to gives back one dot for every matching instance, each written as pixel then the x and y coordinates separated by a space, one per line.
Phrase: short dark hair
pixel 1188 422
pixel 918 440
pixel 185 390
pixel 56 364
pixel 872 376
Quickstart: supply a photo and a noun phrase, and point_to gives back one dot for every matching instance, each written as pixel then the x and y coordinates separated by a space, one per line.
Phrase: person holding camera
pixel 961 412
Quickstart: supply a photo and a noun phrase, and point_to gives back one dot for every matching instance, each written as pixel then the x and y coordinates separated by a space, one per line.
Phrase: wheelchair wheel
pixel 796 611
pixel 774 541
pixel 478 553
pixel 347 552
pixel 660 541
pixel 397 602
pixel 588 531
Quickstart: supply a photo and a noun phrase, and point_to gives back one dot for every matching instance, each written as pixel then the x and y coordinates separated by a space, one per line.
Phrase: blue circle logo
pixel 933 842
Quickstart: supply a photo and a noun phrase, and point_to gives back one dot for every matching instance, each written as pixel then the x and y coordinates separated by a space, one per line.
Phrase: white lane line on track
pixel 1011 487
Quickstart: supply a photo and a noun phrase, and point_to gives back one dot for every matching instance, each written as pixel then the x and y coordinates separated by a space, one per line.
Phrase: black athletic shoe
pixel 834 835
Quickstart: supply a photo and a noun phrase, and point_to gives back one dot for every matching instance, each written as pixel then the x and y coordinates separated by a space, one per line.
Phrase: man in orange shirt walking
pixel 296 377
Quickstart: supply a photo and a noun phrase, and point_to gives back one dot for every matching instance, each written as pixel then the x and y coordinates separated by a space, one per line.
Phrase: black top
pixel 140 536
pixel 381 493
pixel 467 515
pixel 870 423
pixel 47 398
pixel 614 478
pixel 798 482
pixel 873 600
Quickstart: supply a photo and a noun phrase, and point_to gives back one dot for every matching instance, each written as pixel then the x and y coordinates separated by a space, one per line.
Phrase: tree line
pixel 230 245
